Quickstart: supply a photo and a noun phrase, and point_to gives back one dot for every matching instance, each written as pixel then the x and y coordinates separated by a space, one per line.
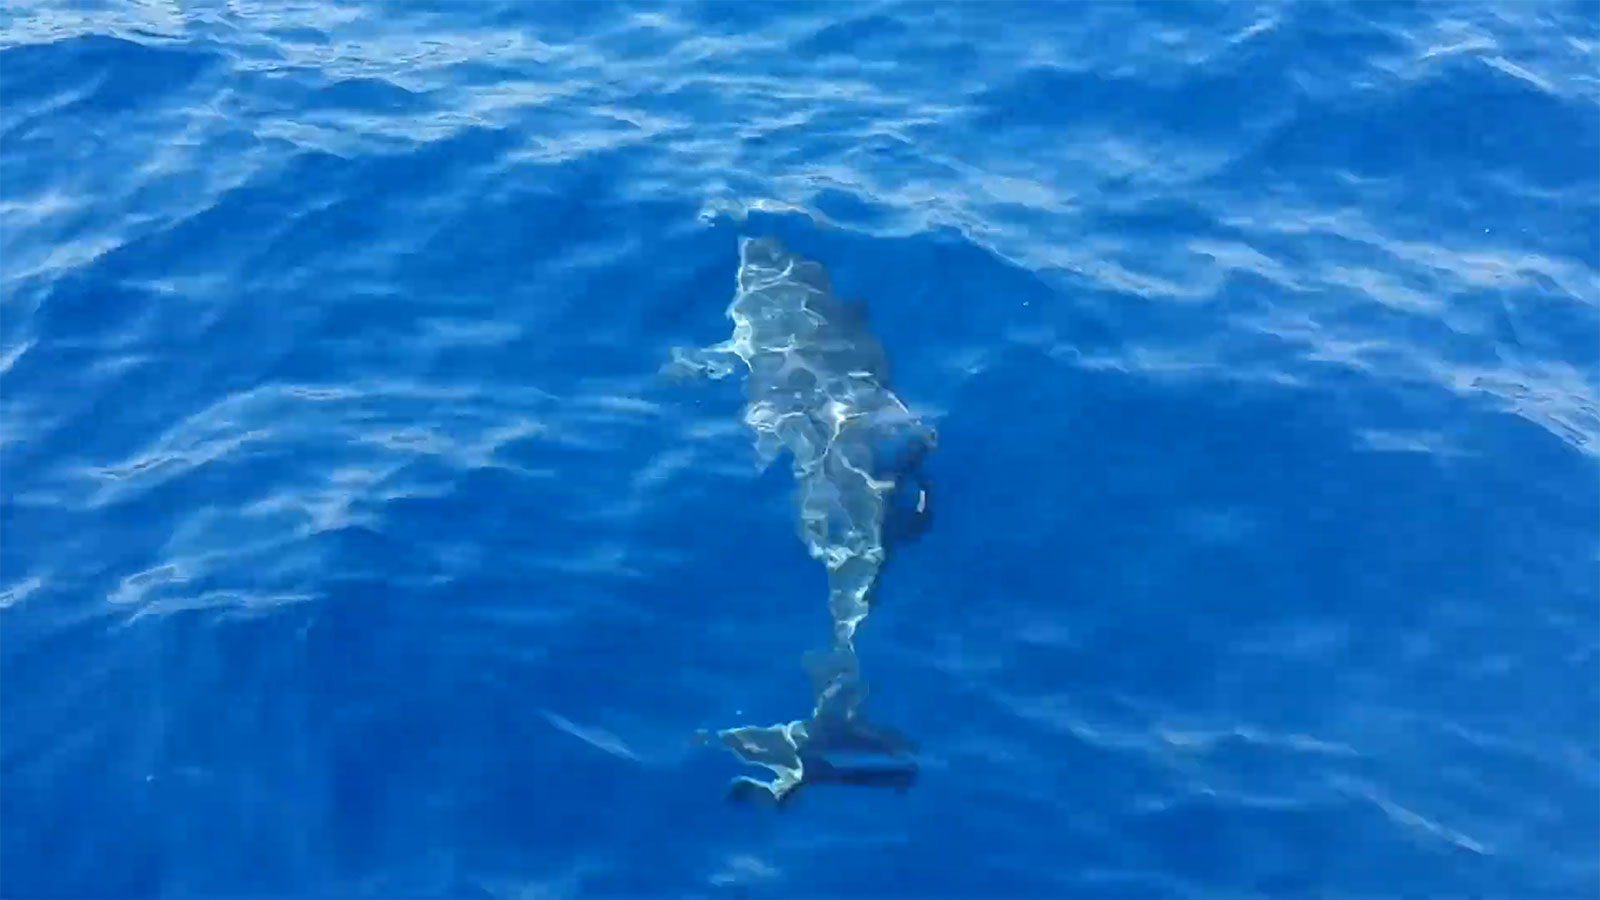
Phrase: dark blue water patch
pixel 1467 114
pixel 1487 204
pixel 1519 324
pixel 1170 218
pixel 1216 105
pixel 1331 547
pixel 103 76
pixel 738 19
pixel 865 36
pixel 142 764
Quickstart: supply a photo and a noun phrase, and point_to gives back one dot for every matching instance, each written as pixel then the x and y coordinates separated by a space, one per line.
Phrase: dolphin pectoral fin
pixel 715 362
pixel 747 790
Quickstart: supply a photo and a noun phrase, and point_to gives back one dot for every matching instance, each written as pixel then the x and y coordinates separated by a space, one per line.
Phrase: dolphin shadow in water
pixel 817 388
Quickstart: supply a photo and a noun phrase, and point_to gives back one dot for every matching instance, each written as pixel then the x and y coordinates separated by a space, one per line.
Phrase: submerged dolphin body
pixel 818 388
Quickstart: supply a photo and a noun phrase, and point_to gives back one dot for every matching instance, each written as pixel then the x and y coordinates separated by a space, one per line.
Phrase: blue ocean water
pixel 355 545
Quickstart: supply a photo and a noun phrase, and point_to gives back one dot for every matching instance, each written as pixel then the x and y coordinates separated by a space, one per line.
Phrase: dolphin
pixel 817 388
